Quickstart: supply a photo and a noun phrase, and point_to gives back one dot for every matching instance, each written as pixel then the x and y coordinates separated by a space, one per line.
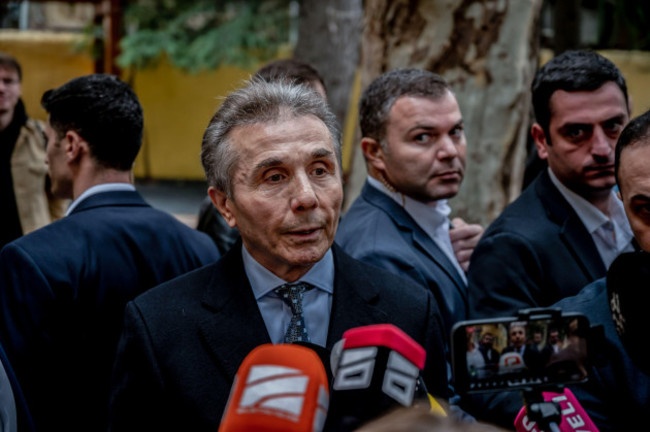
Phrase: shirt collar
pixel 592 218
pixel 104 187
pixel 430 216
pixel 263 281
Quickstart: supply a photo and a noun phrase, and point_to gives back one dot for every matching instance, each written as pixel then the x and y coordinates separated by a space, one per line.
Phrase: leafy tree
pixel 203 34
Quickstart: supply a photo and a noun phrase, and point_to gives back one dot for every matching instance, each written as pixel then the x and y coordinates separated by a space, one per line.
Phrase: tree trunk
pixel 487 50
pixel 328 39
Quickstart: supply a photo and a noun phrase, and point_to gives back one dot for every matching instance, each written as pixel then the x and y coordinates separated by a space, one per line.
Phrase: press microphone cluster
pixel 285 387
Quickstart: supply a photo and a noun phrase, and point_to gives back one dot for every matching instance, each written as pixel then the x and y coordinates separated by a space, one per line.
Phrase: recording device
pixel 375 368
pixel 540 347
pixel 278 388
pixel 628 283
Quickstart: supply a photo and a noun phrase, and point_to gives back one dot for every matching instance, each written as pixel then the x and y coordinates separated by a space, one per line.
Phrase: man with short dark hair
pixel 567 227
pixel 63 287
pixel 414 146
pixel 617 394
pixel 272 158
pixel 26 203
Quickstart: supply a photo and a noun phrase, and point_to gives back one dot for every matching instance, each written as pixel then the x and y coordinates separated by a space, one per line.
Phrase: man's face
pixel 424 156
pixel 634 185
pixel 287 193
pixel 517 336
pixel 10 90
pixel 583 130
pixel 56 160
pixel 553 337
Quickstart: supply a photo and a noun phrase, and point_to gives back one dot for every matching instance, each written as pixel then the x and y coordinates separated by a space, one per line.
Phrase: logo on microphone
pixel 279 391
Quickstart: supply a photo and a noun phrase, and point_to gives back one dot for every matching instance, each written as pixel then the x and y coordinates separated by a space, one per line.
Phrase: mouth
pixel 600 169
pixel 448 175
pixel 305 233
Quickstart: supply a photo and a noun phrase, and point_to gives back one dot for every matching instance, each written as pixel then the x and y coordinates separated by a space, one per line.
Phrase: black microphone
pixel 376 368
pixel 628 289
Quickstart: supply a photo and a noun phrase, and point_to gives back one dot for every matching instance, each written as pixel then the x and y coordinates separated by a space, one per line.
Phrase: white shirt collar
pixel 104 187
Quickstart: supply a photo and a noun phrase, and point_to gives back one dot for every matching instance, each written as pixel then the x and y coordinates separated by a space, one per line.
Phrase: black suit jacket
pixel 63 289
pixel 534 254
pixel 184 341
pixel 379 231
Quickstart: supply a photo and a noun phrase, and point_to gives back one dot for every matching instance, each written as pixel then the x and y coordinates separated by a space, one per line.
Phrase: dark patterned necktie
pixel 292 295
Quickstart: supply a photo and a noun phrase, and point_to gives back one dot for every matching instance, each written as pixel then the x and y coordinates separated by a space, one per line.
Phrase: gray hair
pixel 381 94
pixel 258 102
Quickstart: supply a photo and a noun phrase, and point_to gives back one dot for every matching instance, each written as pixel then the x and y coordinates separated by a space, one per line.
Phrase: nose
pixel 447 148
pixel 303 196
pixel 601 146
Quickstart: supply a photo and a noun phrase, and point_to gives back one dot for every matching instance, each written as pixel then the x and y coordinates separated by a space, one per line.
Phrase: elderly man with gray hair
pixel 272 158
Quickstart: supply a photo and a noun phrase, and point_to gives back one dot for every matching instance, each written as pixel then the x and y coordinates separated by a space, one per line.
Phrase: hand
pixel 464 238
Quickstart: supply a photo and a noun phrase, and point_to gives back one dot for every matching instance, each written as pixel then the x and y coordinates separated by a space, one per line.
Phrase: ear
pixel 75 146
pixel 223 204
pixel 537 132
pixel 373 152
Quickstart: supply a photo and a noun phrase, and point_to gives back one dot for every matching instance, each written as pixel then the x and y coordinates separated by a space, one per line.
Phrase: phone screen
pixel 510 353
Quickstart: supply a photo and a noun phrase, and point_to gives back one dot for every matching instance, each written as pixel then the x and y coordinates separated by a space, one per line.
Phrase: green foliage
pixel 203 34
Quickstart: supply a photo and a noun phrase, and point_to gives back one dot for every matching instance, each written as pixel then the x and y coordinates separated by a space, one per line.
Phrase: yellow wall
pixel 178 105
pixel 47 61
pixel 177 108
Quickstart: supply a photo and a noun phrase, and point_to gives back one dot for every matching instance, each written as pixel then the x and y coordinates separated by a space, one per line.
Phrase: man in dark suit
pixel 617 395
pixel 414 147
pixel 567 226
pixel 272 158
pixel 63 288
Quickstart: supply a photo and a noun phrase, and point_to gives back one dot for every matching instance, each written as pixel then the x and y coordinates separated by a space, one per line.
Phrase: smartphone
pixel 532 350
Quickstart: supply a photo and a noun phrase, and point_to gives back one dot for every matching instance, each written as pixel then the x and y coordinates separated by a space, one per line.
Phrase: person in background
pixel 566 228
pixel 414 146
pixel 63 287
pixel 24 186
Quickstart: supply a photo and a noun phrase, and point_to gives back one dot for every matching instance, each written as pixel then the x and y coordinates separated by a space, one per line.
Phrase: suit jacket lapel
pixel 231 307
pixel 353 301
pixel 572 231
pixel 419 237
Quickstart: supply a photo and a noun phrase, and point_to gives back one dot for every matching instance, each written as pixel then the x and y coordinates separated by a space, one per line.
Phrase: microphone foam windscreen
pixel 278 388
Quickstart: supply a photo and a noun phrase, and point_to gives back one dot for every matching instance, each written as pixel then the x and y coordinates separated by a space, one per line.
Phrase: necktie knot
pixel 292 295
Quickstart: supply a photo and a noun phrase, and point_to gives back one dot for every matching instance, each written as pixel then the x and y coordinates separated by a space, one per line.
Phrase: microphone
pixel 278 388
pixel 375 368
pixel 574 417
pixel 627 289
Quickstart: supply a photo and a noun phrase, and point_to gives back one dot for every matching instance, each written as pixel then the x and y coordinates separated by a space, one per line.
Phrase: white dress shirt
pixel 432 217
pixel 612 235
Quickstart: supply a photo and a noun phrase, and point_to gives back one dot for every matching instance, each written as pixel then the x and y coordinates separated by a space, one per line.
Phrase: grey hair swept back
pixel 255 103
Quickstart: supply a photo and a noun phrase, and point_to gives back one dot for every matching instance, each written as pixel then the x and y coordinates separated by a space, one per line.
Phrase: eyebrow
pixel 273 161
pixel 640 197
pixel 620 118
pixel 429 127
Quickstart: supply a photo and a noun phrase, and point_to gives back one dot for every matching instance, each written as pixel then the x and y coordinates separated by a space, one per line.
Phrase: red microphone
pixel 278 388
pixel 574 416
